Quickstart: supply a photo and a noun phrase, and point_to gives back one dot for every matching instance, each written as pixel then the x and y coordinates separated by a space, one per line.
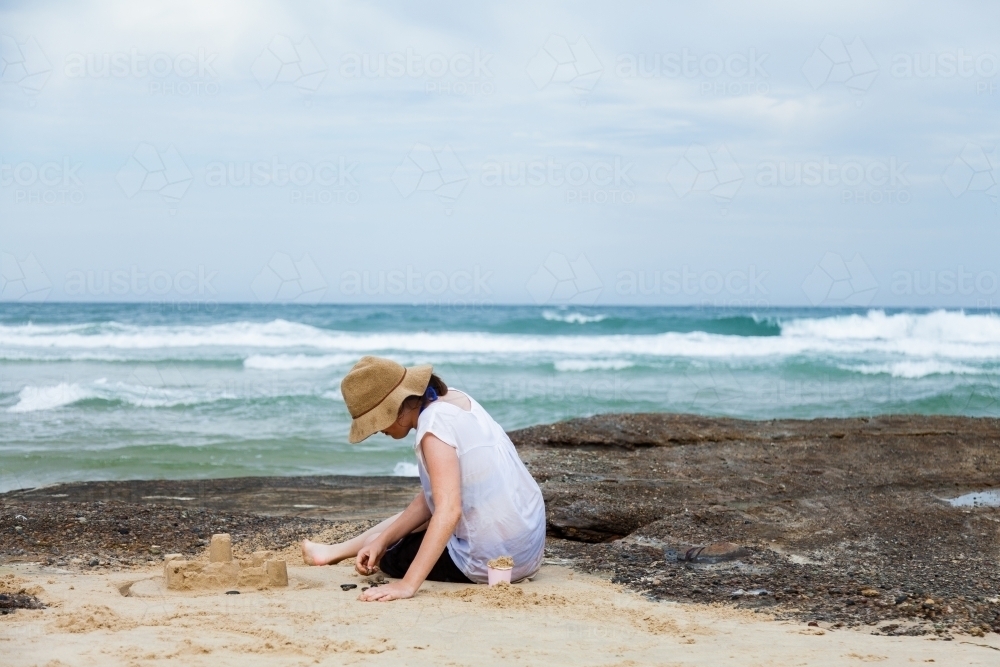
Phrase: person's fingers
pixel 381 594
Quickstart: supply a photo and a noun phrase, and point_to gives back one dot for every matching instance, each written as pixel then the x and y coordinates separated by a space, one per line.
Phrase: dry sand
pixel 558 618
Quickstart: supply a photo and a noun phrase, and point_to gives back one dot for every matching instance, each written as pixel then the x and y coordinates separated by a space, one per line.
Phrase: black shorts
pixel 398 557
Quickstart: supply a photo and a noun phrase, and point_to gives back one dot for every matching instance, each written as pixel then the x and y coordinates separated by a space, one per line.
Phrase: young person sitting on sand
pixel 477 501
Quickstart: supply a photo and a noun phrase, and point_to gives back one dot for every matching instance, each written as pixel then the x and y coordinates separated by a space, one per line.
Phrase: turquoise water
pixel 115 391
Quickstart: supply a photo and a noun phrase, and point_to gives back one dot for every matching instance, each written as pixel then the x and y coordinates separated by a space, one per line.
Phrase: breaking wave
pixel 939 334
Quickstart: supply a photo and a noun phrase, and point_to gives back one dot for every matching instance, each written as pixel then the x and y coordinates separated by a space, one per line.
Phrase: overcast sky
pixel 783 153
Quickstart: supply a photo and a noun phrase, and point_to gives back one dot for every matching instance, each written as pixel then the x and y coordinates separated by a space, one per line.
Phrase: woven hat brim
pixel 385 413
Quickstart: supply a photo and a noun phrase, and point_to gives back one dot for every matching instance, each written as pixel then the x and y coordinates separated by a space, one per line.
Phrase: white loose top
pixel 503 513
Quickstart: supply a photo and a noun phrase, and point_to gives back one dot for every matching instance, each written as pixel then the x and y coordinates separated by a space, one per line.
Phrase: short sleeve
pixel 433 420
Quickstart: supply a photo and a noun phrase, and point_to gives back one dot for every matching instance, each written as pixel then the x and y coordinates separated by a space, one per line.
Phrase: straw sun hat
pixel 375 388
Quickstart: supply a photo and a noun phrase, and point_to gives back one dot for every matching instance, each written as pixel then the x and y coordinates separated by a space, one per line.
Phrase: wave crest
pixel 912 370
pixel 571 318
pixel 943 326
pixel 294 362
pixel 282 345
pixel 34 399
pixel 580 365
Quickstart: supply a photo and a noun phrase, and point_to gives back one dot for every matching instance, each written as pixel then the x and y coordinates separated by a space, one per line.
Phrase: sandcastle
pixel 261 570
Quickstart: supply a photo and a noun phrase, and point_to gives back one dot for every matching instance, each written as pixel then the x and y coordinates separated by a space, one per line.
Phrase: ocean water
pixel 115 391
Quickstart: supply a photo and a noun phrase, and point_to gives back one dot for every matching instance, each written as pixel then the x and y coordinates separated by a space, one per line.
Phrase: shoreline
pixel 842 518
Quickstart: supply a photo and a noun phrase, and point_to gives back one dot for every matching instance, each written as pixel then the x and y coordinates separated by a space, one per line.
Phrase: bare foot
pixel 314 553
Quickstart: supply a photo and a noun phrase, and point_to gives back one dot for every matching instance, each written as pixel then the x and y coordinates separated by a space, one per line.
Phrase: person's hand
pixel 397 590
pixel 368 557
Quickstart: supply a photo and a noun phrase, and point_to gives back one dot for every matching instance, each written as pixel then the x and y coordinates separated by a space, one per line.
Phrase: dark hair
pixel 421 401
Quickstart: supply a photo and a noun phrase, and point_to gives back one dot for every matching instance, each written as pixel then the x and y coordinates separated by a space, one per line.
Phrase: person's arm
pixel 415 515
pixel 446 488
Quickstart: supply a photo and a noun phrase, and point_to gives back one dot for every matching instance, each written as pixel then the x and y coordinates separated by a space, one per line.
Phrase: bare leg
pixel 314 553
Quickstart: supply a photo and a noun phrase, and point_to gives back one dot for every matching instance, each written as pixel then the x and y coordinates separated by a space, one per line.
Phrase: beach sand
pixel 561 617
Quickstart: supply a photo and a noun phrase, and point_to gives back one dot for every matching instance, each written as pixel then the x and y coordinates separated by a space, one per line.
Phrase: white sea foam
pixel 292 362
pixel 41 355
pixel 405 469
pixel 112 335
pixel 942 326
pixel 941 335
pixel 571 318
pixel 33 399
pixel 916 369
pixel 579 365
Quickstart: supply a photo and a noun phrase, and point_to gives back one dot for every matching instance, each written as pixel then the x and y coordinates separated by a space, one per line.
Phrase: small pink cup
pixel 496 575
